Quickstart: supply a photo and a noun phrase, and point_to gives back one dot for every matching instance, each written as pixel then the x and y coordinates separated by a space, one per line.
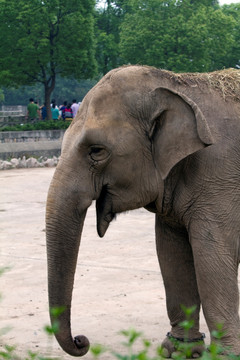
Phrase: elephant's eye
pixel 98 153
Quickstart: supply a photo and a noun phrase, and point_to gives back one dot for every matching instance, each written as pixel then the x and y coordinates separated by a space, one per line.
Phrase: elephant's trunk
pixel 64 222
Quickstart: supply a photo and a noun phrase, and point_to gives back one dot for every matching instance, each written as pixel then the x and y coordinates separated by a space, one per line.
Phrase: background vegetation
pixel 39 125
pixel 41 40
pixel 59 49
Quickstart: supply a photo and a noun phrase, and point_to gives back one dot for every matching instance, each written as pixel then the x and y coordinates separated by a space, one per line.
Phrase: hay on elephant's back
pixel 226 81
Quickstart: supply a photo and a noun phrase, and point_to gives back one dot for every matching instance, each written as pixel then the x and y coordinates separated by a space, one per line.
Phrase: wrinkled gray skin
pixel 143 139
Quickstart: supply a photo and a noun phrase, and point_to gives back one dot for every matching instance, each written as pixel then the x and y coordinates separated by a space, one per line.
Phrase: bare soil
pixel 118 284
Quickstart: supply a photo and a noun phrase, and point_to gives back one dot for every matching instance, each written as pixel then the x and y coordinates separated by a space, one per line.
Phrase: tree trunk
pixel 48 103
pixel 49 86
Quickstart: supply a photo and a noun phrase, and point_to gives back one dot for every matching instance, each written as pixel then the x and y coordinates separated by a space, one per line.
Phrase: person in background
pixel 55 112
pixel 39 112
pixel 74 107
pixel 32 110
pixel 54 103
pixel 43 110
pixel 68 113
pixel 62 109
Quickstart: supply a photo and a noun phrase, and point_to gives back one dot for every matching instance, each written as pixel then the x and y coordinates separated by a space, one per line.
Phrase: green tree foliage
pixel 108 20
pixel 179 35
pixel 45 41
pixel 213 3
pixel 41 39
pixel 2 96
pixel 65 90
pixel 233 10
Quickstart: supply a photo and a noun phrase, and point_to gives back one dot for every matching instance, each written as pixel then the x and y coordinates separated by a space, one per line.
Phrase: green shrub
pixel 40 125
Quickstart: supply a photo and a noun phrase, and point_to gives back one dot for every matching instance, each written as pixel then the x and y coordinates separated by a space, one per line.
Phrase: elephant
pixel 170 143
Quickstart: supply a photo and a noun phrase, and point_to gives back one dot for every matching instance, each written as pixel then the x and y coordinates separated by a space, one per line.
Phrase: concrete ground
pixel 118 284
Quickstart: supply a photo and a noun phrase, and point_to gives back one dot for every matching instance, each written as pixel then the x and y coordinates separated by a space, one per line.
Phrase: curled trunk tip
pixel 82 343
pixel 78 346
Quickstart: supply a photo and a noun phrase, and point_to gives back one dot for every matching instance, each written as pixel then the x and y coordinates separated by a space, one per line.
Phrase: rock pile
pixel 22 163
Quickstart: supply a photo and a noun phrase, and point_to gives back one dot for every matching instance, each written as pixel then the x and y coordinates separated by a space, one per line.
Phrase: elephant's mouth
pixel 104 212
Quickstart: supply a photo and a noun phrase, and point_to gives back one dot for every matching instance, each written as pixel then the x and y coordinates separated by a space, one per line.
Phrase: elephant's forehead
pixel 113 102
pixel 105 108
pixel 107 122
pixel 105 116
pixel 105 95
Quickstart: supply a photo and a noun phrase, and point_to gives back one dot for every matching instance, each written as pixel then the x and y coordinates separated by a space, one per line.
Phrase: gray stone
pixel 19 163
pixel 31 162
pixel 49 163
pixel 22 163
pixel 5 165
pixel 14 162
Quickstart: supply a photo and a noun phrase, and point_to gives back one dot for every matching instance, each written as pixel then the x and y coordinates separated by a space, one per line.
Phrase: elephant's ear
pixel 178 129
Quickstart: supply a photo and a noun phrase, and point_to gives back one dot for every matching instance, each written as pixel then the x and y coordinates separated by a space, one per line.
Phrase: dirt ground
pixel 118 284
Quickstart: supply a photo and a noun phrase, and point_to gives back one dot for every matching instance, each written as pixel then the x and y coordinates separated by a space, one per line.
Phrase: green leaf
pixel 57 311
pixel 188 311
pixel 52 330
pixel 187 324
pixel 219 332
pixel 97 350
pixel 132 335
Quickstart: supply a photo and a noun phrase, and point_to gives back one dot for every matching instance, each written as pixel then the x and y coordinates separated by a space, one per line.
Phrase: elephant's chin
pixel 104 213
pixel 151 207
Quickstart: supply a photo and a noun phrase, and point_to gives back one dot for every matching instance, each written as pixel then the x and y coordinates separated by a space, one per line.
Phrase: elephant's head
pixel 129 133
